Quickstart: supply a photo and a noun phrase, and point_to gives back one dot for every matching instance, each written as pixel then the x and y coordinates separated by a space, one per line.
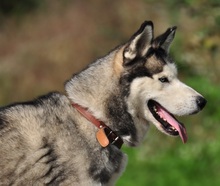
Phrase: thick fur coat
pixel 48 142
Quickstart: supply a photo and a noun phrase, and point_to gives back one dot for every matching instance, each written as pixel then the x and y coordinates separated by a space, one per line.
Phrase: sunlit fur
pixel 48 142
pixel 178 98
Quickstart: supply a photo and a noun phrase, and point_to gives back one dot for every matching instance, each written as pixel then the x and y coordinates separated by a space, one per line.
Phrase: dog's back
pixel 28 151
pixel 41 144
pixel 37 142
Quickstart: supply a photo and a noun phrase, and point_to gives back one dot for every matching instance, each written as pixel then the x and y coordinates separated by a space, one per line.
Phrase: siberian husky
pixel 75 139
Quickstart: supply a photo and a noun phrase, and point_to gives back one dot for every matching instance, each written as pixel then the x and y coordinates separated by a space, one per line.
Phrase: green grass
pixel 194 164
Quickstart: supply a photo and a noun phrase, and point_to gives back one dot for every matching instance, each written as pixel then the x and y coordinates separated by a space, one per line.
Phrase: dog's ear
pixel 164 40
pixel 139 43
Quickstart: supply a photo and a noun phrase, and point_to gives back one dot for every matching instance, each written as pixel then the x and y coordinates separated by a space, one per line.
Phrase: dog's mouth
pixel 168 122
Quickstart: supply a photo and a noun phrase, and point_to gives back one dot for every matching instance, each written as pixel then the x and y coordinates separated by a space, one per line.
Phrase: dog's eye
pixel 164 80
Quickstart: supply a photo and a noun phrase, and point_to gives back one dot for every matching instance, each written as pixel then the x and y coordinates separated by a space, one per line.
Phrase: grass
pixel 40 50
pixel 192 164
pixel 175 167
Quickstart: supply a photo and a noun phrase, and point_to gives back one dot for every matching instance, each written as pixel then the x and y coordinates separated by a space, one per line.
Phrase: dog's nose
pixel 201 102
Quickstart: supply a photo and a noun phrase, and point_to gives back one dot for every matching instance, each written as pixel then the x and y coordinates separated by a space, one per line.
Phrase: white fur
pixel 175 96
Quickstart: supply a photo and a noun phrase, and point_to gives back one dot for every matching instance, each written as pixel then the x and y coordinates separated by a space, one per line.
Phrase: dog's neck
pixel 93 86
pixel 98 89
pixel 105 135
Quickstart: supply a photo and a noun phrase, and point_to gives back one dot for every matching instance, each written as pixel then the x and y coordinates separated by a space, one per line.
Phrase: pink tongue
pixel 181 129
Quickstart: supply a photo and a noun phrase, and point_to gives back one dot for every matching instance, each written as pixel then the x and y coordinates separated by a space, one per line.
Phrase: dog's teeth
pixel 173 128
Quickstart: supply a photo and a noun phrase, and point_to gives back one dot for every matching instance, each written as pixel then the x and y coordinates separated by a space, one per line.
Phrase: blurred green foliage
pixel 44 49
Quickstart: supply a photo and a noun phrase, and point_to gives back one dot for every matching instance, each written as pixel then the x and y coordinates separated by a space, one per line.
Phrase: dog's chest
pixel 106 167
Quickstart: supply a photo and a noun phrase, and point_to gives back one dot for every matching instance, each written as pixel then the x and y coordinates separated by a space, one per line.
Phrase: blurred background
pixel 42 43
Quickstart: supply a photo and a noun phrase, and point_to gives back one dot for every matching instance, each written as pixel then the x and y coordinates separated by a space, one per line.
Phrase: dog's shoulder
pixel 40 107
pixel 52 99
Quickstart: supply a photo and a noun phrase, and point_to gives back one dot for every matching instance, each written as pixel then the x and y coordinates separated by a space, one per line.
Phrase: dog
pixel 75 139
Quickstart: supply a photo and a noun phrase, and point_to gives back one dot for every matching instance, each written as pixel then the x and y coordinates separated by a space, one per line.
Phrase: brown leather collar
pixel 105 135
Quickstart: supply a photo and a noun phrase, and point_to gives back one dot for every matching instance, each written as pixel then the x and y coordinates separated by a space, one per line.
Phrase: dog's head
pixel 150 84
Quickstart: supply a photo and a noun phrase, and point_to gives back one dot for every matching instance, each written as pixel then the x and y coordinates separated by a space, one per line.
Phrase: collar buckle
pixel 105 135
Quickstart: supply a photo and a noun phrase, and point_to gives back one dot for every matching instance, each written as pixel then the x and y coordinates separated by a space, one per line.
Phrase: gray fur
pixel 47 142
